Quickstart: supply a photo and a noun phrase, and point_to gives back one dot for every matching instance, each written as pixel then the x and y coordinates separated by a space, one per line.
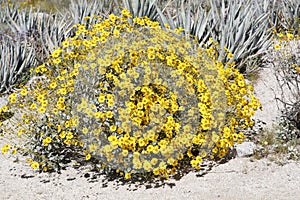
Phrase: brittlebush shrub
pixel 133 96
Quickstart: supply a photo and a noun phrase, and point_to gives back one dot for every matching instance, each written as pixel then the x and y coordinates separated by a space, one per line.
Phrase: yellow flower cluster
pixel 136 97
pixel 5 148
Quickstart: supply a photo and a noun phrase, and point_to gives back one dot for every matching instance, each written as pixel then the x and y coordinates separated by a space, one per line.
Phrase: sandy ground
pixel 239 178
pixel 266 89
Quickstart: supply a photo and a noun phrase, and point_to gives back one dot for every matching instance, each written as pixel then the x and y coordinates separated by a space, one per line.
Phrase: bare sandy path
pixel 237 179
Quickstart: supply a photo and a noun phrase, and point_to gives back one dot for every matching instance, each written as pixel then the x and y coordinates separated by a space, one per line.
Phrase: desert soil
pixel 239 178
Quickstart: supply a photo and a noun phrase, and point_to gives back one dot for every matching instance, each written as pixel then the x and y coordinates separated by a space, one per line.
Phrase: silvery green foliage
pixel 287 129
pixel 233 24
pixel 21 20
pixel 239 29
pixel 46 30
pixel 82 8
pixel 195 19
pixel 140 8
pixel 290 19
pixel 51 31
pixel 269 7
pixel 15 57
pixel 285 62
pixel 3 18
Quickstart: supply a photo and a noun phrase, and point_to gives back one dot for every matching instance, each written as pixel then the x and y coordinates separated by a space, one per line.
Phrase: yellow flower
pixel 5 148
pixel 20 132
pixel 48 140
pixel 230 55
pixel 67 142
pixel 35 165
pixel 62 134
pixel 235 137
pixel 147 165
pixel 33 106
pixel 113 128
pixel 61 106
pixel 65 43
pixel 277 46
pixel 44 103
pixel 193 163
pixel 13 98
pixel 56 61
pixel 24 92
pixel 56 53
pixel 290 36
pixel 113 139
pixel 127 175
pixel 69 135
pixel 241 135
pixel 45 168
pixel 53 85
pixel 93 147
pixel 14 151
pixel 42 109
pixel 151 56
pixel 85 130
pixel 101 98
pixel 110 103
pixel 280 35
pixel 4 109
pixel 109 114
pixel 88 156
pixel 126 13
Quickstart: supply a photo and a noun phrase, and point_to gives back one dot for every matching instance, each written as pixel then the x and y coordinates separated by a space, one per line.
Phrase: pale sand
pixel 237 179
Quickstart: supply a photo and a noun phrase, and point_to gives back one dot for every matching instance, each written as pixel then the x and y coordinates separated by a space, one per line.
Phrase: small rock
pixel 245 149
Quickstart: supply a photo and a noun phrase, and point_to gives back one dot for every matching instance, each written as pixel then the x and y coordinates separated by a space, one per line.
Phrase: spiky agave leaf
pixel 7 12
pixel 23 20
pixel 52 30
pixel 15 57
pixel 240 30
pixel 269 7
pixel 3 16
pixel 235 25
pixel 290 10
pixel 80 9
pixel 46 30
pixel 140 8
pixel 195 19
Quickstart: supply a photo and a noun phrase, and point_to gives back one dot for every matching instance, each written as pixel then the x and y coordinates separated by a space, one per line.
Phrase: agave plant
pixel 81 9
pixel 240 30
pixel 195 19
pixel 234 25
pixel 7 11
pixel 52 30
pixel 46 30
pixel 15 58
pixel 140 8
pixel 269 7
pixel 21 20
pixel 3 16
pixel 290 11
